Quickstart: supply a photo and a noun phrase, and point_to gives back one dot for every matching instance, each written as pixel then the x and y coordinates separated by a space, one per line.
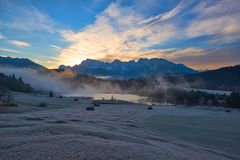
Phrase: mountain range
pixel 19 63
pixel 131 69
pixel 144 71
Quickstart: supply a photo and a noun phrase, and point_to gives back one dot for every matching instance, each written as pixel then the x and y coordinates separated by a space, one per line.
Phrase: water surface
pixel 115 96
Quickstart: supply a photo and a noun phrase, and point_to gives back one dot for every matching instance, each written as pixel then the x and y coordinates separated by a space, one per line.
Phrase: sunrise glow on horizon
pixel 199 34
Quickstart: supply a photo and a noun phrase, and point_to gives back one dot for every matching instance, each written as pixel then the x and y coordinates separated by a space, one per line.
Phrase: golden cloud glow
pixel 124 34
pixel 128 40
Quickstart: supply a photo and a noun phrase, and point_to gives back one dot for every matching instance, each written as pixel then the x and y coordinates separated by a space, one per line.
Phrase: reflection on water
pixel 107 96
pixel 125 97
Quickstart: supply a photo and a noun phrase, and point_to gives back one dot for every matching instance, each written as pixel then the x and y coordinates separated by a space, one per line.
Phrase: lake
pixel 125 97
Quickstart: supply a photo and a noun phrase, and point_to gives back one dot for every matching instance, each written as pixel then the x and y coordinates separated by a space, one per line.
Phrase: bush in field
pixel 42 104
pixel 90 108
pixel 150 108
pixel 96 104
pixel 7 100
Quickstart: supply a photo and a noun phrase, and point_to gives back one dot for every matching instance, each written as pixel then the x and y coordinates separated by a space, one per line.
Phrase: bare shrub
pixel 42 104
pixel 90 108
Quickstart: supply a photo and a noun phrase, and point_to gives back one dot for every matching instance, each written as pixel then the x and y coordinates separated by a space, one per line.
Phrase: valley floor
pixel 65 130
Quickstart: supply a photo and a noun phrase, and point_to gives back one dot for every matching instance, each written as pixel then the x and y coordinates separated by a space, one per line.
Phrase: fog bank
pixel 39 81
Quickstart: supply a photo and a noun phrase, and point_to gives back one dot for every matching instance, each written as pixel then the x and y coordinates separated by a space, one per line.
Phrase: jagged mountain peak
pixel 131 69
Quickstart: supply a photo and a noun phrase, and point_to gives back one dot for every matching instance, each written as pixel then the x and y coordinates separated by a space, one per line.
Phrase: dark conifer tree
pixel 50 94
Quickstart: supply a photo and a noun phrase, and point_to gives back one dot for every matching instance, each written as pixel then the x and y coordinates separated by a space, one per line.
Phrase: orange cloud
pixel 120 32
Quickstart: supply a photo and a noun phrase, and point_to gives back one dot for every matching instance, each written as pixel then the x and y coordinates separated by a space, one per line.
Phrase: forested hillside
pixel 14 84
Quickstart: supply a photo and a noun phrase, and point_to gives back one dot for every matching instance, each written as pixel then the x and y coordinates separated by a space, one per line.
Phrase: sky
pixel 202 34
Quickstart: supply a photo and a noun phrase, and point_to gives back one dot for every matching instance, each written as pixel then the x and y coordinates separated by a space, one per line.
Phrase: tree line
pixel 194 98
pixel 14 84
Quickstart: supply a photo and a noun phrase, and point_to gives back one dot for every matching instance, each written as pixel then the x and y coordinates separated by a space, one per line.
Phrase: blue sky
pixel 200 34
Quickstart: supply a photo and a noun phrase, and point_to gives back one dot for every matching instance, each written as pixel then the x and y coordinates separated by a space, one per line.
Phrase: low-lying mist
pixel 69 83
pixel 65 82
pixel 39 81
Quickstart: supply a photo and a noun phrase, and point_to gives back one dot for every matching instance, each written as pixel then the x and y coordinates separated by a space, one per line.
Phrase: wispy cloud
pixel 9 50
pixel 220 20
pixel 118 31
pixel 168 15
pixel 55 47
pixel 24 16
pixel 19 43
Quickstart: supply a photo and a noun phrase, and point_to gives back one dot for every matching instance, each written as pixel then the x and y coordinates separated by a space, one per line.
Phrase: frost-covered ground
pixel 65 130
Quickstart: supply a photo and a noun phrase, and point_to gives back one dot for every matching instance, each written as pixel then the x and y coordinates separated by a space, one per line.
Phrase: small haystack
pixel 7 100
pixel 96 104
pixel 42 104
pixel 90 108
pixel 75 99
pixel 150 108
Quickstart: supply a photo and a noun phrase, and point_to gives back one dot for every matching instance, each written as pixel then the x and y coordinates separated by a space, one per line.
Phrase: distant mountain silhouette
pixel 131 69
pixel 226 78
pixel 19 63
